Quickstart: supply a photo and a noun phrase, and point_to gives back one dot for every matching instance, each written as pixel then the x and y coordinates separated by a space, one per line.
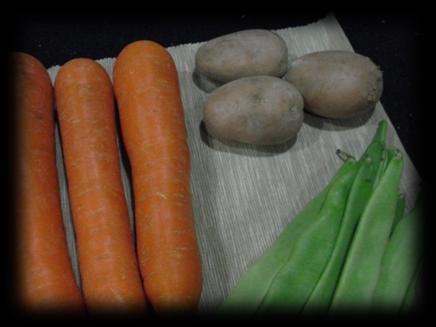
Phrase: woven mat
pixel 243 196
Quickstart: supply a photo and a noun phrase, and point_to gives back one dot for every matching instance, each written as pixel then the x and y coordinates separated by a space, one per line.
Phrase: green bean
pixel 294 282
pixel 399 211
pixel 379 137
pixel 399 263
pixel 388 155
pixel 391 152
pixel 254 284
pixel 380 134
pixel 409 300
pixel 372 161
pixel 362 265
pixel 382 167
pixel 360 193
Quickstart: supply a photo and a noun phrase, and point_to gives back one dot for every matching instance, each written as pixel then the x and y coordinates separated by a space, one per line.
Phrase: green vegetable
pixel 391 153
pixel 322 261
pixel 372 161
pixel 409 300
pixel 359 195
pixel 401 201
pixel 382 167
pixel 363 263
pixel 399 263
pixel 399 211
pixel 295 281
pixel 380 133
pixel 388 154
pixel 254 284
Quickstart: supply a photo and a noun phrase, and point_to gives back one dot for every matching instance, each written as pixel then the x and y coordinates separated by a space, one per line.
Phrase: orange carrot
pixel 108 264
pixel 46 280
pixel 153 127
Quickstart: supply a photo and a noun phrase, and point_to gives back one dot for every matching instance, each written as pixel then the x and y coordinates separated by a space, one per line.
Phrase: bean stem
pixel 344 156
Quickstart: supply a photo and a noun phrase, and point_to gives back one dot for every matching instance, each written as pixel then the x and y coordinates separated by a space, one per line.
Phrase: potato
pixel 240 54
pixel 256 110
pixel 336 84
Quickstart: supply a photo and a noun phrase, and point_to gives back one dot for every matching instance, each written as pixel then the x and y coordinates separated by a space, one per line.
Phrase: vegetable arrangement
pixel 352 246
pixel 338 253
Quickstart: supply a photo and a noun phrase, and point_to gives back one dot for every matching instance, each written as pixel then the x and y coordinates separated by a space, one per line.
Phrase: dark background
pixel 392 41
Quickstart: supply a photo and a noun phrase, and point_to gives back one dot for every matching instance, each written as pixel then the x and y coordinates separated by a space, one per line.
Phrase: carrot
pixel 45 276
pixel 107 260
pixel 152 123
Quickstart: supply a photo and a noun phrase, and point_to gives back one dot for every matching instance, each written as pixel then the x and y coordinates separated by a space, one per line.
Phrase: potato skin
pixel 257 110
pixel 336 84
pixel 240 54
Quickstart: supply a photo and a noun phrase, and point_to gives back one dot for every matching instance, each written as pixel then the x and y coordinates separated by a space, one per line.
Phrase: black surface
pixel 392 41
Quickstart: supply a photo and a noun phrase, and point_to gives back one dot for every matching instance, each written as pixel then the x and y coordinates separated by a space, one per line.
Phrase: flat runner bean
pixel 360 193
pixel 295 281
pixel 399 263
pixel 372 162
pixel 363 263
pixel 254 284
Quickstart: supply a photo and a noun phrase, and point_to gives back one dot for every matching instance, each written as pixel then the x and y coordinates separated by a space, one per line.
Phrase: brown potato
pixel 336 84
pixel 256 110
pixel 241 54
